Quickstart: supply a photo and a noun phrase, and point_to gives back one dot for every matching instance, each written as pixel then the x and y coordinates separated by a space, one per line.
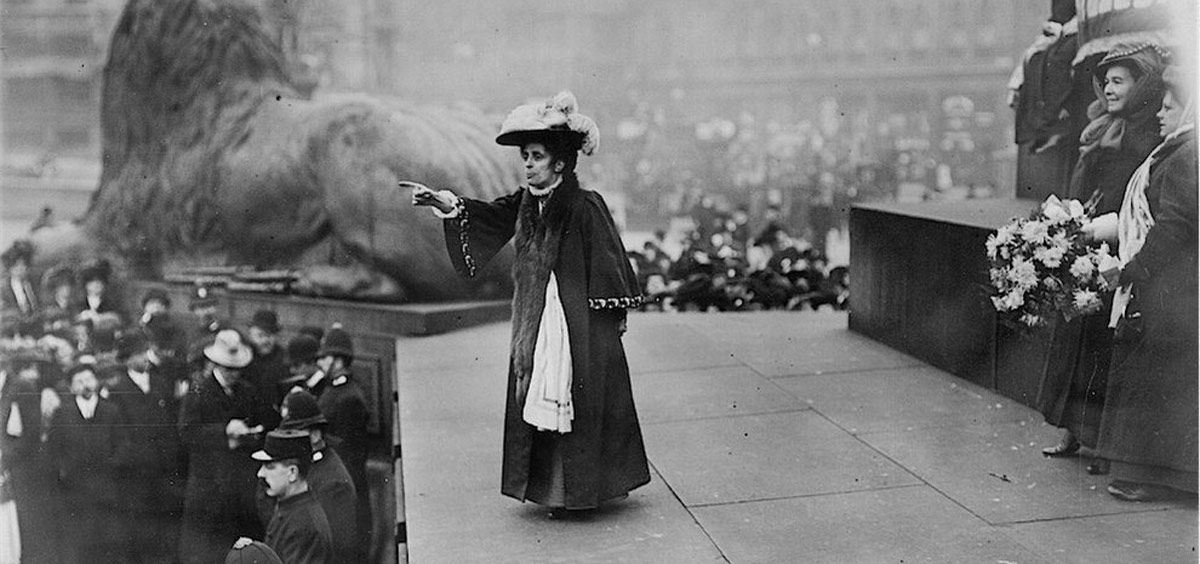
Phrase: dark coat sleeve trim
pixel 464 238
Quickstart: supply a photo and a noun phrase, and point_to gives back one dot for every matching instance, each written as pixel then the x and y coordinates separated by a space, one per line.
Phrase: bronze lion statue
pixel 212 156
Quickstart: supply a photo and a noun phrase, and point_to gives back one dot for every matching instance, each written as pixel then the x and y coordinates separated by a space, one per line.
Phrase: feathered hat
pixel 557 116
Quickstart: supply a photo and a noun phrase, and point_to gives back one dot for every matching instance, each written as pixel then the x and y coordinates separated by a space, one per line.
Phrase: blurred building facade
pixel 51 65
pixel 785 97
pixel 763 98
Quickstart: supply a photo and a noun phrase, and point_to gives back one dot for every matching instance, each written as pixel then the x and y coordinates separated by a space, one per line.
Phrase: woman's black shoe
pixel 1067 447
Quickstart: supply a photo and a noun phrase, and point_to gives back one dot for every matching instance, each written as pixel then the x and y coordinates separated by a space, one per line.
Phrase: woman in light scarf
pixel 1149 426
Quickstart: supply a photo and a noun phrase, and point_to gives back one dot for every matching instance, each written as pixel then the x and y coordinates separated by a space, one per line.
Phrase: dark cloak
pixel 1149 427
pixel 603 456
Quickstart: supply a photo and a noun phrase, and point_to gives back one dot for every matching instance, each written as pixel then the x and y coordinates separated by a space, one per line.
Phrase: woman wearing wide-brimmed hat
pixel 571 438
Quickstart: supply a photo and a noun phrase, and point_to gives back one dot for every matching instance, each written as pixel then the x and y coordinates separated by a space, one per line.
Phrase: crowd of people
pixel 723 267
pixel 1121 383
pixel 165 436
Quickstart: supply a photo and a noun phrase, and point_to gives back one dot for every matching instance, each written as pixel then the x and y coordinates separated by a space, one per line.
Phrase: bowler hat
pixel 282 444
pixel 255 552
pixel 302 349
pixel 229 350
pixel 336 342
pixel 302 411
pixel 130 343
pixel 266 320
pixel 162 331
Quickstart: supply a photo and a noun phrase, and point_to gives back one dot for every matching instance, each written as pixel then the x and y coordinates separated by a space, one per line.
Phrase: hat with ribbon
pixel 557 118
pixel 283 444
pixel 228 350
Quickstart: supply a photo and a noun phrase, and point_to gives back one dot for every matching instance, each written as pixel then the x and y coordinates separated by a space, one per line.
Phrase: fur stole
pixel 538 237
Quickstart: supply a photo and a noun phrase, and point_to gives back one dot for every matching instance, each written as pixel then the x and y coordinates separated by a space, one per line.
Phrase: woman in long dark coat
pixel 571 433
pixel 1123 130
pixel 1149 427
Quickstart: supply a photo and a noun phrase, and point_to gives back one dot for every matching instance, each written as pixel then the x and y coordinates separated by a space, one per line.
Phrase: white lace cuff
pixel 452 214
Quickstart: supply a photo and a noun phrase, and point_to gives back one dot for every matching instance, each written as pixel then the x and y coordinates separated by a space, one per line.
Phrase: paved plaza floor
pixel 772 438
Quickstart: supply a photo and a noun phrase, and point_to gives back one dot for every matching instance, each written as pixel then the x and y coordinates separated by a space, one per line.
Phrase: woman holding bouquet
pixel 1123 130
pixel 1149 427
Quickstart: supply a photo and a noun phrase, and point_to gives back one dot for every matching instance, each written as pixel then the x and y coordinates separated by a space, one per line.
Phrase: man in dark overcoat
pixel 150 478
pixel 221 422
pixel 269 368
pixel 85 438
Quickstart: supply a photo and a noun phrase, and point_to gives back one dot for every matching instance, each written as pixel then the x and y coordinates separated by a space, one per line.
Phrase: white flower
pixel 1035 232
pixel 1031 320
pixel 1061 241
pixel 1023 273
pixel 1014 299
pixel 1086 300
pixel 1075 209
pixel 992 244
pixel 1049 256
pixel 1005 233
pixel 1051 283
pixel 998 276
pixel 1082 268
pixel 1055 212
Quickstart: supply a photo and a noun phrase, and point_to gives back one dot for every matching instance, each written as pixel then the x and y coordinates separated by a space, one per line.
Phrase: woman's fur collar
pixel 538 237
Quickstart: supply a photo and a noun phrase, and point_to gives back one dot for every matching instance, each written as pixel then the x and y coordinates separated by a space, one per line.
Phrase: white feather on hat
pixel 559 113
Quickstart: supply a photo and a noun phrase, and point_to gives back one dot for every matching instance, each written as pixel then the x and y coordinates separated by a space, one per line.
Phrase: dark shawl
pixel 1150 418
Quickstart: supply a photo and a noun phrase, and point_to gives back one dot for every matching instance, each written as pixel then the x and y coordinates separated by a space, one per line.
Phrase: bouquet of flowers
pixel 1041 265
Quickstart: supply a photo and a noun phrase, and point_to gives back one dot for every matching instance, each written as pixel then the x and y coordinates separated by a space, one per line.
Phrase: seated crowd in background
pixel 138 436
pixel 722 267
